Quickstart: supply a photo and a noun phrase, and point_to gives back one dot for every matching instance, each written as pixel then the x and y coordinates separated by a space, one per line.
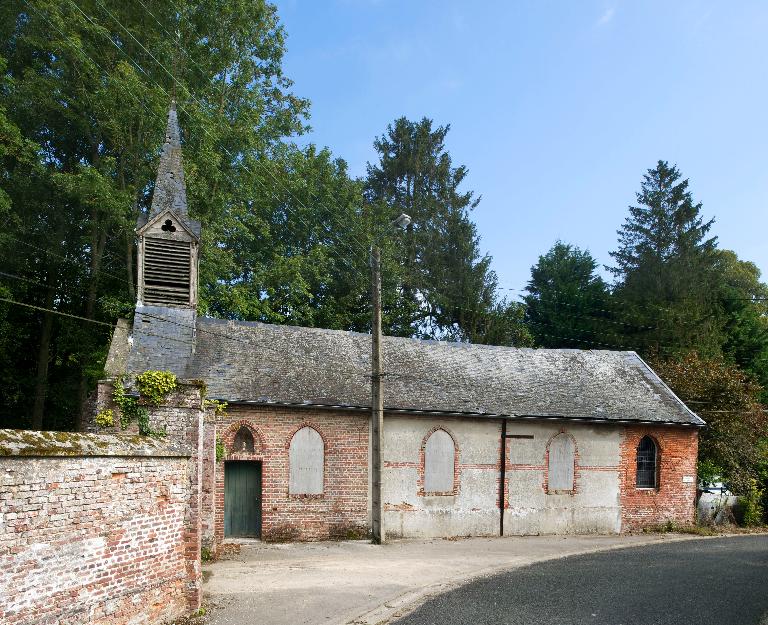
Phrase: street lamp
pixel 377 392
pixel 403 221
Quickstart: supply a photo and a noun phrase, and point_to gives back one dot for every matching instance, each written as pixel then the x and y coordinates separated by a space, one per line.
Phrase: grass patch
pixel 670 527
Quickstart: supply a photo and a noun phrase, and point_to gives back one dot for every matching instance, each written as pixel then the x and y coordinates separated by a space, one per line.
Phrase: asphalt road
pixel 721 581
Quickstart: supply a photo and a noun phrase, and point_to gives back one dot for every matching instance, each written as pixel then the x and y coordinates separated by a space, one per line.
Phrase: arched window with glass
pixel 647 463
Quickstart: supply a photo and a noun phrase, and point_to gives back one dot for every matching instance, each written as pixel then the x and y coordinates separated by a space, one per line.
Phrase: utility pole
pixel 377 403
pixel 378 535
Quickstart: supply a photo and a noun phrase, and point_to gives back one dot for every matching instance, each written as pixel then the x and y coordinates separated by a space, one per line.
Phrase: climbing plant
pixel 219 407
pixel 153 387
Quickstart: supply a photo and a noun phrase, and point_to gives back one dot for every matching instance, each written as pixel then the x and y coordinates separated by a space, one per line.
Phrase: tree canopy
pixel 567 302
pixel 287 232
pixel 85 93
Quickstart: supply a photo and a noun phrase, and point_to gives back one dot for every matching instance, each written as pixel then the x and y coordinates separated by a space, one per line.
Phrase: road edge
pixel 403 604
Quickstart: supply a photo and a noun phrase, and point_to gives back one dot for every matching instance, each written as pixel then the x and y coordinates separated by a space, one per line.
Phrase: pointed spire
pixel 170 190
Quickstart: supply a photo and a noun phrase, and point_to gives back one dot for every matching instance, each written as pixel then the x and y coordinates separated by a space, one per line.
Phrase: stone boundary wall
pixel 102 528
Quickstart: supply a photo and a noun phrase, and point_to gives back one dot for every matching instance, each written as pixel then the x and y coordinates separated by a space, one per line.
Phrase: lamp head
pixel 402 221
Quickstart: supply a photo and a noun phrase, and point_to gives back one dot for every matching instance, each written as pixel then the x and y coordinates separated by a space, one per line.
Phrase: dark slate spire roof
pixel 170 189
pixel 262 363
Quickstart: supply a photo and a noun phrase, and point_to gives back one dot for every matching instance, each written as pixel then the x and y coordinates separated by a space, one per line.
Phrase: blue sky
pixel 556 108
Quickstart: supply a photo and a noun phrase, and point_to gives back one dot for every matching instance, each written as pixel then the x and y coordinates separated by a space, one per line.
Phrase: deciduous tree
pixel 734 441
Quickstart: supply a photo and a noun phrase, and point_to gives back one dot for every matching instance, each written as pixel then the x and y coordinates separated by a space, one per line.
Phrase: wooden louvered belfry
pixel 168 238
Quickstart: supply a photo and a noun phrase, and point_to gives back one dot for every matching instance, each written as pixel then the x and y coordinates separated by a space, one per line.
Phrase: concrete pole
pixel 377 403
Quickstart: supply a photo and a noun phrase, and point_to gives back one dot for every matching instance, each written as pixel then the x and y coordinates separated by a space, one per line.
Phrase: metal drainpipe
pixel 503 461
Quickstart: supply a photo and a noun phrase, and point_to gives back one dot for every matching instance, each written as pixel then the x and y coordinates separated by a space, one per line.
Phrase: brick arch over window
pixel 244 440
pixel 561 463
pixel 439 462
pixel 235 434
pixel 306 459
pixel 647 458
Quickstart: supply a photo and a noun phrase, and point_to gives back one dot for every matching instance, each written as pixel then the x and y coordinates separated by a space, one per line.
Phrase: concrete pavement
pixel 337 583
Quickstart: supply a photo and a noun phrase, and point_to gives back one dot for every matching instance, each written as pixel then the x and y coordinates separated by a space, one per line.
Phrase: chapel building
pixel 478 440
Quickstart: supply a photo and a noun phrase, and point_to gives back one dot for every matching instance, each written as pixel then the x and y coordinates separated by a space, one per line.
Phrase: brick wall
pixel 341 511
pixel 674 499
pixel 90 539
pixel 102 528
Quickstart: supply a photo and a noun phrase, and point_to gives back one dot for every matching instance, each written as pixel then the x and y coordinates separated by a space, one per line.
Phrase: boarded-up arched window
pixel 562 453
pixel 243 440
pixel 306 460
pixel 439 463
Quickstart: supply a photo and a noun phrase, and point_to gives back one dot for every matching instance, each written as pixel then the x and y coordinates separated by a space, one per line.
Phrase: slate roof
pixel 262 363
pixel 170 189
pixel 254 362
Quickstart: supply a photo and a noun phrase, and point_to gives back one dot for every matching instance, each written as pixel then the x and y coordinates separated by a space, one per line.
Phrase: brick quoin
pixel 673 500
pixel 341 511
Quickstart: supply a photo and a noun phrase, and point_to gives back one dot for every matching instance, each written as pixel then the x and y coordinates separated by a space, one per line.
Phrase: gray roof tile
pixel 243 361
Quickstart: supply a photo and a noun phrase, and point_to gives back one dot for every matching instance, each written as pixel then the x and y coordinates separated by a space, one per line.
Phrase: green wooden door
pixel 242 499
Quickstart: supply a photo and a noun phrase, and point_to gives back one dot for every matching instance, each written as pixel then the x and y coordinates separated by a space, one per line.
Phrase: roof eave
pixel 452 413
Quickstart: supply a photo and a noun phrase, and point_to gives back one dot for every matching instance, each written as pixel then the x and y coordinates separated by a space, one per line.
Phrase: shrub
pixel 154 386
pixel 751 506
pixel 105 419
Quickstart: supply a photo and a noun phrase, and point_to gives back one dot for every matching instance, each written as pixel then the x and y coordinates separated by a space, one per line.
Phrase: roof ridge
pixel 411 340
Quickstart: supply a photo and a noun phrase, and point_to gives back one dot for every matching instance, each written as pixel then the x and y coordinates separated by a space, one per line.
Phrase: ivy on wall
pixel 153 387
pixel 221 451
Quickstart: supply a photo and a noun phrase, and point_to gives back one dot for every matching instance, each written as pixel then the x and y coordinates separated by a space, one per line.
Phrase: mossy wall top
pixel 29 443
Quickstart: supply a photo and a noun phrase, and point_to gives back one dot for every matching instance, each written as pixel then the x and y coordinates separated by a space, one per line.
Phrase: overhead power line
pixel 199 103
pixel 570 339
pixel 153 113
pixel 56 312
pixel 612 344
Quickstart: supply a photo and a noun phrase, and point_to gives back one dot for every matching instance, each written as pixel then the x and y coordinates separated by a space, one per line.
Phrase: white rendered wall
pixel 594 505
pixel 472 510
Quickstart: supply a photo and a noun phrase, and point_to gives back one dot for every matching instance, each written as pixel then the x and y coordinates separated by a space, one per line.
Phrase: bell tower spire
pixel 170 189
pixel 164 325
pixel 168 239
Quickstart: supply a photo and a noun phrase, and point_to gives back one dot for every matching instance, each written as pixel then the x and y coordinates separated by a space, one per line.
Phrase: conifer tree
pixel 665 268
pixel 567 302
pixel 444 275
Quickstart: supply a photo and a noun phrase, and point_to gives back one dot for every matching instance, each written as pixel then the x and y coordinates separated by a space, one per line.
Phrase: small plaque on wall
pixel 688 479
